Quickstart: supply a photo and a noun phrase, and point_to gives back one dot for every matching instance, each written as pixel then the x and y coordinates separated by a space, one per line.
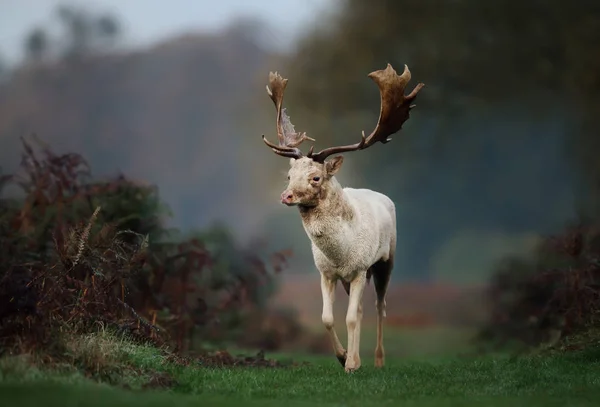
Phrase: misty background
pixel 500 150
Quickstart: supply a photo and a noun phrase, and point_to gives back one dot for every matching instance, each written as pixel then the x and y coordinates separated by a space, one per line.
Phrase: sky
pixel 148 21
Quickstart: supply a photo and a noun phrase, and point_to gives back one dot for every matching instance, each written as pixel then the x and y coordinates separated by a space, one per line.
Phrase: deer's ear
pixel 332 166
pixel 292 160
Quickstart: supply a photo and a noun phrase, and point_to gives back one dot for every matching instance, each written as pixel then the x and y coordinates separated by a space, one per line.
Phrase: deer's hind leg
pixel 381 272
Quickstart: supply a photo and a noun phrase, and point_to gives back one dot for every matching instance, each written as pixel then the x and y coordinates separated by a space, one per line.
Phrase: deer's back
pixel 376 223
pixel 373 204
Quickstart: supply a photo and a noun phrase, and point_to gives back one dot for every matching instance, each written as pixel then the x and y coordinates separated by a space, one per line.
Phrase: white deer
pixel 352 231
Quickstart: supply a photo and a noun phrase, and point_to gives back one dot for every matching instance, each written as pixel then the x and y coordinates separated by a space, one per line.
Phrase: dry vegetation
pixel 79 256
pixel 551 299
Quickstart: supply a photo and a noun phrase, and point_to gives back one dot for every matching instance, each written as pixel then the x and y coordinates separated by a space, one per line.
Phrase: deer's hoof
pixel 352 364
pixel 342 358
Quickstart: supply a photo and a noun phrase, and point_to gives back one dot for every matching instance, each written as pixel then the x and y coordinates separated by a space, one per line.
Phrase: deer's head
pixel 308 180
pixel 310 176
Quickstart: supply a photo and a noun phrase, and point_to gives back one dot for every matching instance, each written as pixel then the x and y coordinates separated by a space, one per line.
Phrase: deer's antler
pixel 395 108
pixel 289 139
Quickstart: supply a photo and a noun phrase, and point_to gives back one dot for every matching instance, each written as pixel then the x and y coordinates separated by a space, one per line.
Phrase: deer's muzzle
pixel 287 198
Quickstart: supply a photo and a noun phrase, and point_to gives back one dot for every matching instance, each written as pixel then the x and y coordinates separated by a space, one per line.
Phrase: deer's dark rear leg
pixel 381 272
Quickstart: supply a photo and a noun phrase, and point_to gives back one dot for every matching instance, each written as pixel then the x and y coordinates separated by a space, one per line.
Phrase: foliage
pixel 78 253
pixel 552 297
pixel 84 33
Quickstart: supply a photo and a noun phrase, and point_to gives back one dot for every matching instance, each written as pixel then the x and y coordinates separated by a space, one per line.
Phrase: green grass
pixel 571 379
pixel 423 342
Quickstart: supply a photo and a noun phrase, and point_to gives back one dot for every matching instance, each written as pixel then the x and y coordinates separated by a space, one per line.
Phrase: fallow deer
pixel 352 231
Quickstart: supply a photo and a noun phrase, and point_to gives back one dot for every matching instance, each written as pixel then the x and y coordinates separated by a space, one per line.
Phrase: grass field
pixel 563 379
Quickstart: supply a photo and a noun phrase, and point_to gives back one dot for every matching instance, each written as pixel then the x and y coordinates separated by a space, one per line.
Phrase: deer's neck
pixel 329 224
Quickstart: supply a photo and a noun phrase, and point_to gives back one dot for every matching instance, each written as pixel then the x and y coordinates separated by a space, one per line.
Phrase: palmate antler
pixel 395 108
pixel 289 139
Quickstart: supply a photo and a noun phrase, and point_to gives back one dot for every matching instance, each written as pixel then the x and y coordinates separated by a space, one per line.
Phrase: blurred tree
pixel 252 30
pixel 456 47
pixel 78 30
pixel 3 68
pixel 36 45
pixel 85 32
pixel 109 29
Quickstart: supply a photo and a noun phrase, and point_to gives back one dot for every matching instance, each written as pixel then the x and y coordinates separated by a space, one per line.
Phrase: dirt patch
pixel 225 359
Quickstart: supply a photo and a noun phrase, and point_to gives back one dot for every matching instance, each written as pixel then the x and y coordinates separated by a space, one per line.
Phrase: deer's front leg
pixel 353 322
pixel 328 291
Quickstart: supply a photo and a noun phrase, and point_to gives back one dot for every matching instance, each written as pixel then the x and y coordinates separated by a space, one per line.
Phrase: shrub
pixel 553 296
pixel 78 252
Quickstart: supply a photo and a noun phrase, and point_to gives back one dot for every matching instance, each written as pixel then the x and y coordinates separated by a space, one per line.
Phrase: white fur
pixel 345 248
pixel 350 230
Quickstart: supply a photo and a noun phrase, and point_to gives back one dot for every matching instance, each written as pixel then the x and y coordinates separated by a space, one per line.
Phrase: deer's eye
pixel 316 179
pixel 288 177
